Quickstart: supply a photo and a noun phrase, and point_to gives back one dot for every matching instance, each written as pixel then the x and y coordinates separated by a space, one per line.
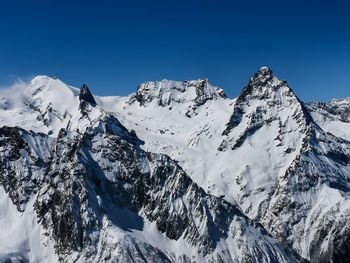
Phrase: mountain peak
pixel 263 75
pixel 264 100
pixel 264 84
pixel 265 70
pixel 86 96
pixel 166 92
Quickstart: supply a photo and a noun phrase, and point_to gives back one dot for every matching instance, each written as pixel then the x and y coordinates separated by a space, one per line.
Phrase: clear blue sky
pixel 112 46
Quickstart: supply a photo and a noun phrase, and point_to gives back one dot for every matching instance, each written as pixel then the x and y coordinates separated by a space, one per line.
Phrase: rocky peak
pixel 265 85
pixel 264 100
pixel 204 91
pixel 166 92
pixel 261 76
pixel 86 96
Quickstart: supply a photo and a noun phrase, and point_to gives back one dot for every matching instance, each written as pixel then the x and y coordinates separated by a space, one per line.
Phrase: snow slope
pixel 22 238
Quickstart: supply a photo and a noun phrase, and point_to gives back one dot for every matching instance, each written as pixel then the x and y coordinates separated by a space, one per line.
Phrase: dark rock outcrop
pixel 85 96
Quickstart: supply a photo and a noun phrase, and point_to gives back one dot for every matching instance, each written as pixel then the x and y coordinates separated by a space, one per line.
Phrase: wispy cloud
pixel 13 95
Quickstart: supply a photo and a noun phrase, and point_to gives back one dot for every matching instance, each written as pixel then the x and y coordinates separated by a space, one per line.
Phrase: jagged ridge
pixel 275 164
pixel 82 180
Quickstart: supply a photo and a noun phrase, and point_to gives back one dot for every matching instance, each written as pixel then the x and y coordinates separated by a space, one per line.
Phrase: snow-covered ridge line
pixel 165 92
pixel 332 116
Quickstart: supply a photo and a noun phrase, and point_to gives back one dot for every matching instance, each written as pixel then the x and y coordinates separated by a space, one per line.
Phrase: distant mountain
pixel 333 116
pixel 176 172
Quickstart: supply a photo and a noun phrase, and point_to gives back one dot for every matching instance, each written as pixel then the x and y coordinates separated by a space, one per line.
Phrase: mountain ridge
pixel 266 153
pixel 78 170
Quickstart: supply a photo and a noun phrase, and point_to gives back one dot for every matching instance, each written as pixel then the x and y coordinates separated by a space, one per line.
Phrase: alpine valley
pixel 176 172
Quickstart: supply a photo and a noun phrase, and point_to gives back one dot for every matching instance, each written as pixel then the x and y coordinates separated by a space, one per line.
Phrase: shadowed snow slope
pixel 264 157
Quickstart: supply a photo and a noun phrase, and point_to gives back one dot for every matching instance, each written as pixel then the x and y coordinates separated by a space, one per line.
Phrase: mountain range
pixel 175 172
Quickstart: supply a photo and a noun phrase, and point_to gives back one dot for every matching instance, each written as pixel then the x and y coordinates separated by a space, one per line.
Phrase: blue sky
pixel 112 46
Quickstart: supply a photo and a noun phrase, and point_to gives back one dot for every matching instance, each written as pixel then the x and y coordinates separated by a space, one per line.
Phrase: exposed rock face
pixel 85 97
pixel 165 92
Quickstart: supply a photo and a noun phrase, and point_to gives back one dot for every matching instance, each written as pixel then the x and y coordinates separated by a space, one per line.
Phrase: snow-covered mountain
pixel 176 172
pixel 333 116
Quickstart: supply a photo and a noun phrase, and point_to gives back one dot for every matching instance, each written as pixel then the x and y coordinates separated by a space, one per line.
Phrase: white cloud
pixel 13 95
